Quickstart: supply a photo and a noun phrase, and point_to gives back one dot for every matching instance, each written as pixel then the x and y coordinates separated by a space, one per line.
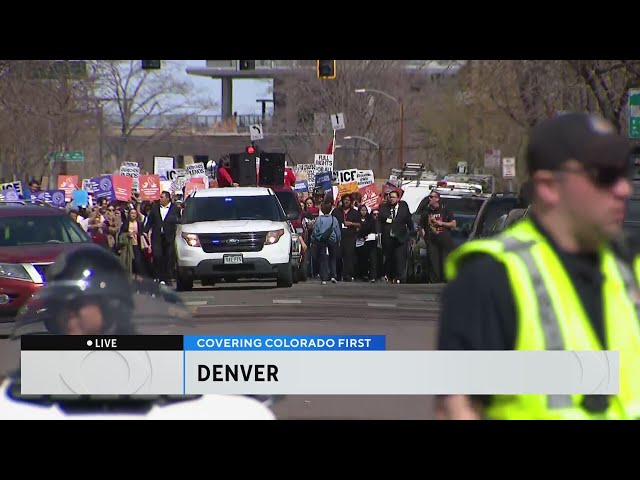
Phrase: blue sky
pixel 245 92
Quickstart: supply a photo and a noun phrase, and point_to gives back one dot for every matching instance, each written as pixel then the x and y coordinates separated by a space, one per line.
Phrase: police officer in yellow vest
pixel 553 281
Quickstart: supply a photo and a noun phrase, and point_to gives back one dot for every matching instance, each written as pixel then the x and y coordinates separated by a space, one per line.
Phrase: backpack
pixel 326 235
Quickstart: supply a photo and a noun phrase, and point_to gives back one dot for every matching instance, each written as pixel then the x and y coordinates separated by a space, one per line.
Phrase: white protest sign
pixel 347 176
pixel 17 186
pixel 323 163
pixel 176 173
pixel 178 184
pixel 365 177
pixel 165 185
pixel 309 169
pixel 196 170
pixel 132 171
pixel 87 185
pixel 161 165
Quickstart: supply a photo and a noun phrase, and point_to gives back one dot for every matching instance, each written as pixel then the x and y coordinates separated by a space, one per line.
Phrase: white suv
pixel 233 233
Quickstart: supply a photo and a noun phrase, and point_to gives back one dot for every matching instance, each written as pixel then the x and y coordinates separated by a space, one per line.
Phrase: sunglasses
pixel 604 177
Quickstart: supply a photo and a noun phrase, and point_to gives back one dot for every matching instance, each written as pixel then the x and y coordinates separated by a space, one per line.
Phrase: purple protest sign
pixel 11 196
pixel 54 197
pixel 103 187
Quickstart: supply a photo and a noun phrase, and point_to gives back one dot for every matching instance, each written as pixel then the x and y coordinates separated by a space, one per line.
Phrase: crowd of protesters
pixel 351 241
pixel 123 228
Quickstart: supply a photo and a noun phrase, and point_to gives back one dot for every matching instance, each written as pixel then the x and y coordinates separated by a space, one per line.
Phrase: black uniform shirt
pixel 478 307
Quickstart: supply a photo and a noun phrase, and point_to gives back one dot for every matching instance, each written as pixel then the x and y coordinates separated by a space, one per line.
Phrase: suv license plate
pixel 232 259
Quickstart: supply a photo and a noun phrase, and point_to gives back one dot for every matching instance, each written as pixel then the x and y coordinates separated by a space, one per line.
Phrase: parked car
pixel 32 236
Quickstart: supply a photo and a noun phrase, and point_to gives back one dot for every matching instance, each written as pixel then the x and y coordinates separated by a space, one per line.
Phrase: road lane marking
pixel 288 301
pixel 381 305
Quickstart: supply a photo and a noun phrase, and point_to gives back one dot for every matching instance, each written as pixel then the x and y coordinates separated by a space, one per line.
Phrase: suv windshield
pixel 37 230
pixel 289 202
pixel 213 209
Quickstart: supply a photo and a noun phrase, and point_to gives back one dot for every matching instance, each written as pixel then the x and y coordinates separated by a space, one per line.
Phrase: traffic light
pixel 326 69
pixel 151 64
pixel 247 64
pixel 251 149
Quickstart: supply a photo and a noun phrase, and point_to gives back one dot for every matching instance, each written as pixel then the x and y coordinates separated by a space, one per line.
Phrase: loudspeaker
pixel 272 168
pixel 243 169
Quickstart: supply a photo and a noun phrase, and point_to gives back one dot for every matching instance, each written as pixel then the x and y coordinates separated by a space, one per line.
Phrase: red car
pixel 32 236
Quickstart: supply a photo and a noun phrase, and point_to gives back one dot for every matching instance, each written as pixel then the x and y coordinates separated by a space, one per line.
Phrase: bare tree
pixel 609 82
pixel 310 102
pixel 136 95
pixel 41 111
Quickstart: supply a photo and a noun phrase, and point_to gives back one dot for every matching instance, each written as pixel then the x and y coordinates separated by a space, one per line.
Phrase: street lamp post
pixel 357 137
pixel 369 141
pixel 401 106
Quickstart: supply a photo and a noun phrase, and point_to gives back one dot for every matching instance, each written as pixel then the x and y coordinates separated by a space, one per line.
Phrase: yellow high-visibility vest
pixel 550 316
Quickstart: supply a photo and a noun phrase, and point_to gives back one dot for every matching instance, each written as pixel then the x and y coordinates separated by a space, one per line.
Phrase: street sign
pixel 337 121
pixel 492 159
pixel 508 167
pixel 634 113
pixel 71 156
pixel 256 132
pixel 462 167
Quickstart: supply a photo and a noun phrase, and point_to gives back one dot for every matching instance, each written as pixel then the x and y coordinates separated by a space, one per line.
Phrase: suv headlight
pixel 273 237
pixel 191 239
pixel 15 271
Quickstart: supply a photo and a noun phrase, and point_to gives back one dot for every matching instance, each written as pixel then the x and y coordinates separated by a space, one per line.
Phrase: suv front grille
pixel 232 242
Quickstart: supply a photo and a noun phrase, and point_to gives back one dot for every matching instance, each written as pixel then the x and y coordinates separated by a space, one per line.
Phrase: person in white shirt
pixel 162 221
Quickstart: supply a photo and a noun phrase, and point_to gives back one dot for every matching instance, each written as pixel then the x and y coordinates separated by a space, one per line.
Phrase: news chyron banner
pixel 298 365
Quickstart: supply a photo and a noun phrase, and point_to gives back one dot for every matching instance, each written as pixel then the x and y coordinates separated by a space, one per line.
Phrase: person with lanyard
pixel 553 281
pixel 396 226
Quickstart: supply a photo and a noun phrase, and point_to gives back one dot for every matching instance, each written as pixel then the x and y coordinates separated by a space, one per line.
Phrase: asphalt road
pixel 406 314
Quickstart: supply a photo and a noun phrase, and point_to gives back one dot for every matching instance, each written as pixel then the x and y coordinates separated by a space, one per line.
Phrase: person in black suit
pixel 397 229
pixel 163 221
